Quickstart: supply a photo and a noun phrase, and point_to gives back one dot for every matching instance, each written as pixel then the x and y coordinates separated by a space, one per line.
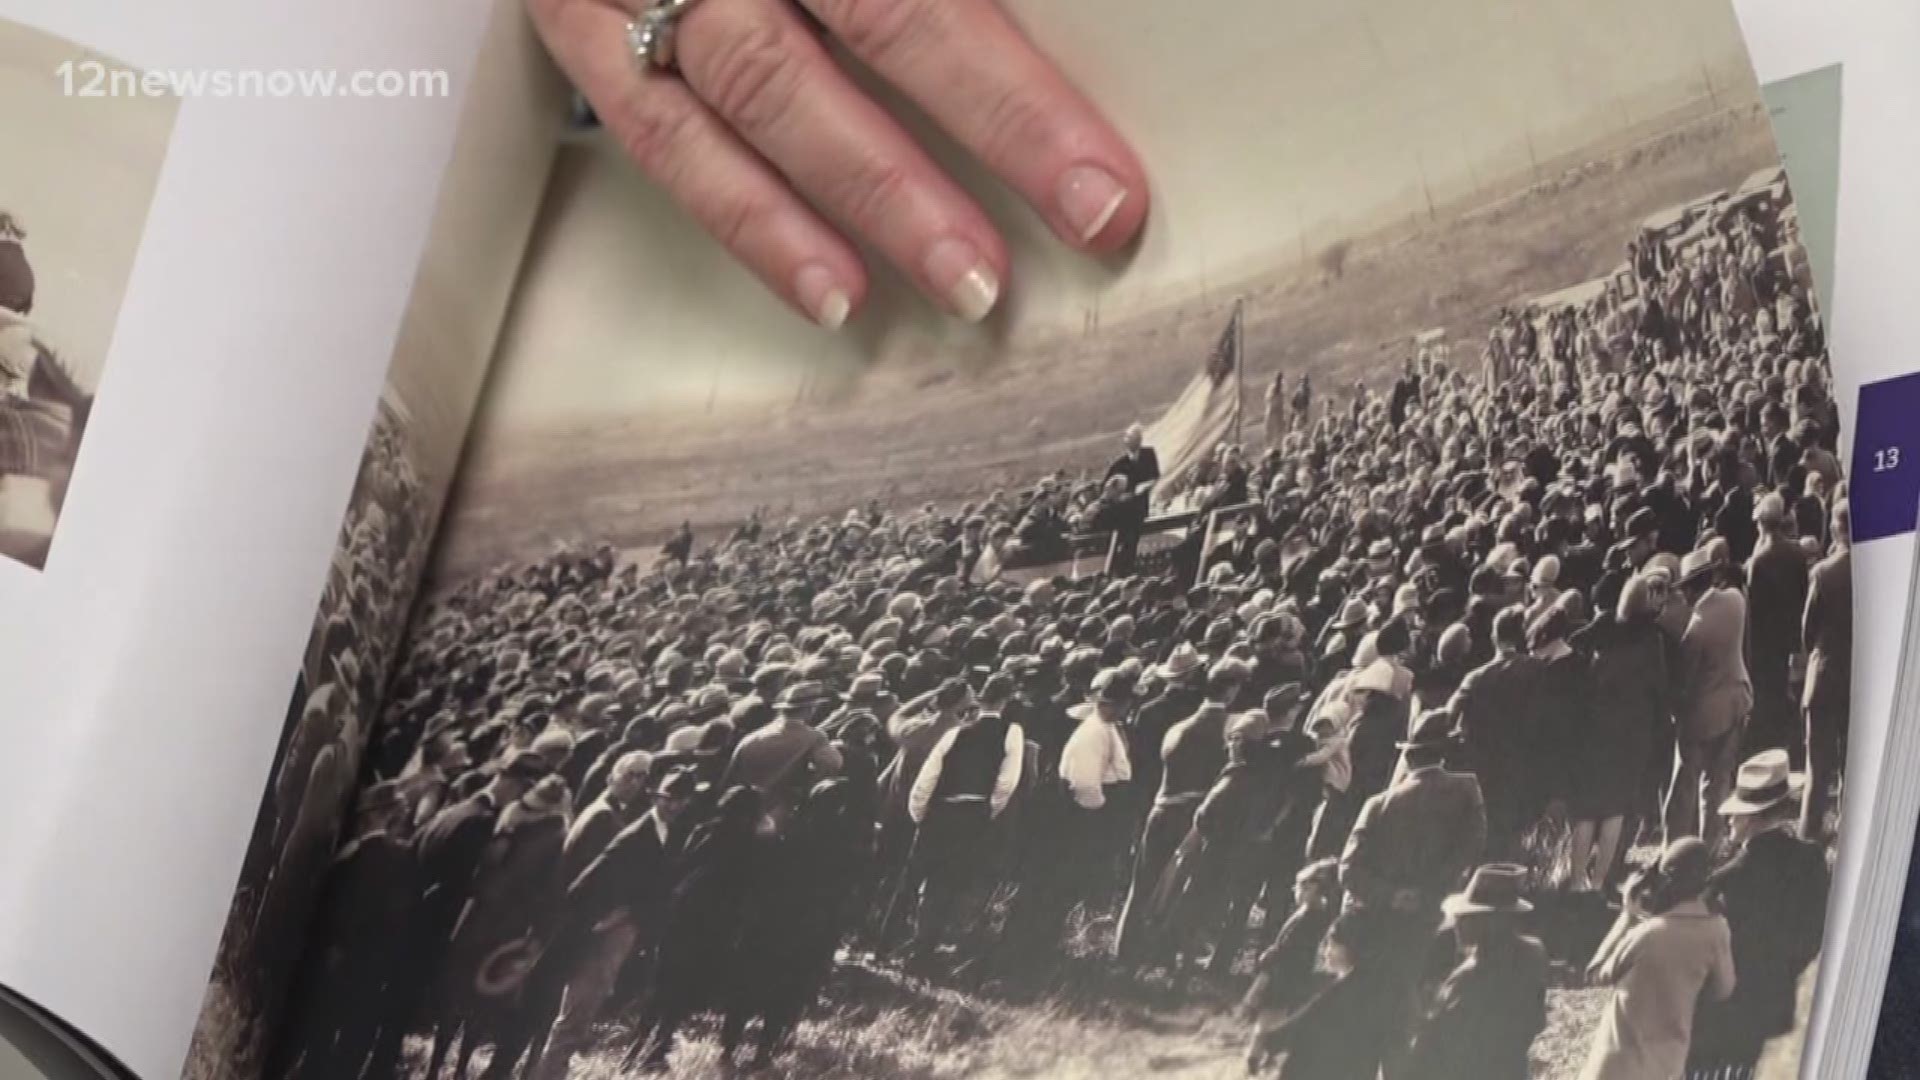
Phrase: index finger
pixel 978 76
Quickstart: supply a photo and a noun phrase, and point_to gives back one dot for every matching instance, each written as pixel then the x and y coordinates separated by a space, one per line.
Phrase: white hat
pixel 1765 781
pixel 632 765
pixel 683 739
pixel 1406 598
pixel 1378 677
pixel 552 743
pixel 1547 570
pixel 1696 564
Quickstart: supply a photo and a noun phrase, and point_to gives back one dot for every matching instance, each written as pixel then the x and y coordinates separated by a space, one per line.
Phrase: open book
pixel 1308 643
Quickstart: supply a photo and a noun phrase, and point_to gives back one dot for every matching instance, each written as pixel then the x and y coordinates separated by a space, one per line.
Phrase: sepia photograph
pixel 74 194
pixel 1397 623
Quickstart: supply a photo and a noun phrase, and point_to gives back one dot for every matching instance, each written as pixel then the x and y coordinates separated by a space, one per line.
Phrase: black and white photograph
pixel 1398 624
pixel 74 194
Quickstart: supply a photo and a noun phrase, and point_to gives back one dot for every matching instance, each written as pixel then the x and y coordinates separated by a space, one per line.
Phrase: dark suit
pixel 633 873
pixel 1192 755
pixel 527 1029
pixel 447 850
pixel 1776 600
pixel 1497 707
pixel 1827 633
pixel 1774 895
pixel 1486 1015
pixel 1140 467
pixel 343 1003
pixel 16 278
pixel 612 910
pixel 1146 736
pixel 1420 836
pixel 1411 847
pixel 1284 973
pixel 1342 1033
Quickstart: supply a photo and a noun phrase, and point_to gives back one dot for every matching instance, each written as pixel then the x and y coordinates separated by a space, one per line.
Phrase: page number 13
pixel 1886 459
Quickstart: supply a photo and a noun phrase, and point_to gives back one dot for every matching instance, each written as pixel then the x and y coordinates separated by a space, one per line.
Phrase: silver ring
pixel 651 35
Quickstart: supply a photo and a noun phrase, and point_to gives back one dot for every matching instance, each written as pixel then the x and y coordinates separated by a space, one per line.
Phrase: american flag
pixel 1206 413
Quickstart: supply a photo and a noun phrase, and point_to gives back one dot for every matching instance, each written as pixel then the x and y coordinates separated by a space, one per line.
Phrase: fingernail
pixel 820 293
pixel 1089 197
pixel 963 278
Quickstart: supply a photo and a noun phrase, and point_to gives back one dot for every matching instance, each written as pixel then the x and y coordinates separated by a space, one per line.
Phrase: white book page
pixel 147 665
pixel 1869 326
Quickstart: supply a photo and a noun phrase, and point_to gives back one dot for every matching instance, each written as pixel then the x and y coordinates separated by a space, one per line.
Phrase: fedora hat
pixel 1352 614
pixel 804 694
pixel 505 969
pixel 1771 510
pixel 1494 889
pixel 1697 564
pixel 1664 562
pixel 548 796
pixel 1765 781
pixel 1432 731
pixel 867 687
pixel 1229 670
pixel 711 701
pixel 681 783
pixel 1184 660
pixel 525 764
pixel 1113 687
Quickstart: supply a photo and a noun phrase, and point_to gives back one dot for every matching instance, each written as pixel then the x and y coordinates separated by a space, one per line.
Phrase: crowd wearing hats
pixel 1475 643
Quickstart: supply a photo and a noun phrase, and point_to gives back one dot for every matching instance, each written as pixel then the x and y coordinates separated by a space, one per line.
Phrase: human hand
pixel 769 144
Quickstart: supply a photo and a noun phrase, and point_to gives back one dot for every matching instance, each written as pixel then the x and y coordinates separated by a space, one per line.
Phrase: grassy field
pixel 876 1023
pixel 947 430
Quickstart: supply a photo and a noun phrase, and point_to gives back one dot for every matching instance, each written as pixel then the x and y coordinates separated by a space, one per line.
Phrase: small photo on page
pixel 83 155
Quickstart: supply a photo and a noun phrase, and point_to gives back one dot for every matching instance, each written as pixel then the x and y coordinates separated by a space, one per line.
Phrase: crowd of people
pixel 1485 651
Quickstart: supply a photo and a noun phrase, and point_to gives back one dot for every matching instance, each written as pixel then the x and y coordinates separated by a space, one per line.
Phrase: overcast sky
pixel 1259 120
pixel 79 174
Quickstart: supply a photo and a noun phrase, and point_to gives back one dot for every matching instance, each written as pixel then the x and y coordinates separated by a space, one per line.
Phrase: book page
pixel 223 211
pixel 487 205
pixel 1364 570
pixel 1875 376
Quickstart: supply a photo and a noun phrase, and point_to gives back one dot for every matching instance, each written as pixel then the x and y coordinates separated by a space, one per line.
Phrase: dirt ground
pixel 877 1023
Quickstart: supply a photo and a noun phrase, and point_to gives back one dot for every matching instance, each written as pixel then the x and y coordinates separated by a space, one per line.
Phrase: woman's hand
pixel 770 144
